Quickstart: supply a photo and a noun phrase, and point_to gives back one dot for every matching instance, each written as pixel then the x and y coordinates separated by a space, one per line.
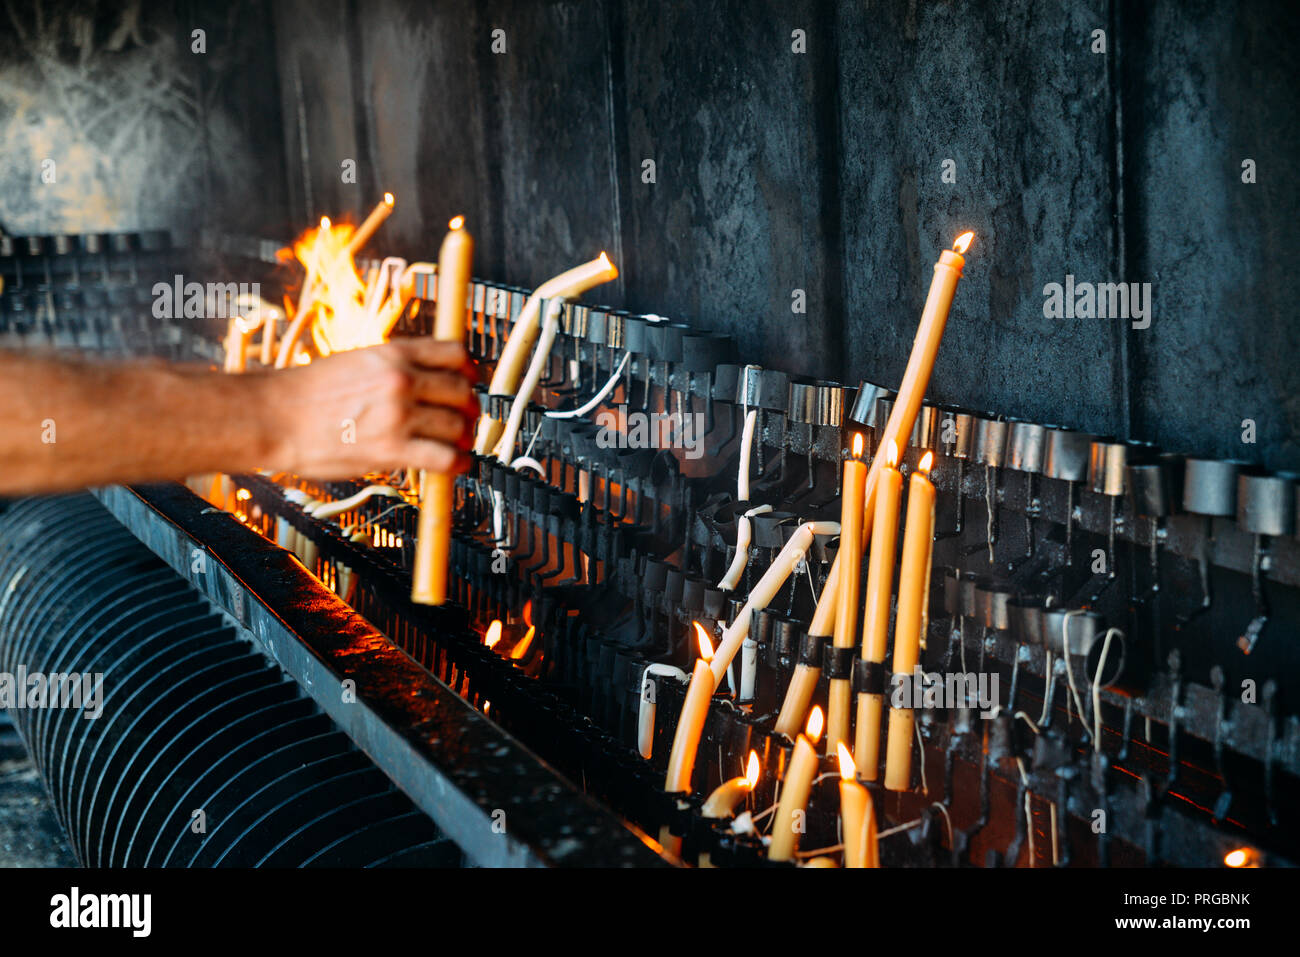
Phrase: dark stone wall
pixel 144 132
pixel 822 171
pixel 775 170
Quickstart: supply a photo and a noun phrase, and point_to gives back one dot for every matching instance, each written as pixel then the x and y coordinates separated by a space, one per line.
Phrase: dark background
pixel 775 171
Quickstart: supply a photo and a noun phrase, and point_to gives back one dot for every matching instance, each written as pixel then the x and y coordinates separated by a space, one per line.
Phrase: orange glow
pixel 816 721
pixel 389 200
pixel 706 646
pixel 243 495
pixel 526 642
pixel 1241 857
pixel 752 768
pixel 528 612
pixel 848 770
pixel 962 243
pixel 857 444
pixel 456 223
pixel 891 454
pixel 926 463
pixel 493 634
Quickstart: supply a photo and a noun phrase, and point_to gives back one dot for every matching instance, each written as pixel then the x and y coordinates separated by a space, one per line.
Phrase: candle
pixel 433 542
pixel 875 620
pixel 505 378
pixel 795 788
pixel 846 619
pixel 691 723
pixel 330 509
pixel 916 378
pixel 913 613
pixel 857 816
pixel 765 590
pixel 371 223
pixel 722 802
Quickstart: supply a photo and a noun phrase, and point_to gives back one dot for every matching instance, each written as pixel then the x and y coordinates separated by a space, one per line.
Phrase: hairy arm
pixel 68 423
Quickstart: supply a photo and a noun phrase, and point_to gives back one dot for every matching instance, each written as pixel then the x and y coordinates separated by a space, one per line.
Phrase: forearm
pixel 70 423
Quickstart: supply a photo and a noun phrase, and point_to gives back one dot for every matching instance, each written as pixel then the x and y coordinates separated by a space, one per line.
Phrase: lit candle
pixel 875 620
pixel 795 787
pixel 372 222
pixel 433 542
pixel 907 404
pixel 913 613
pixel 510 367
pixel 856 814
pixel 493 634
pixel 722 802
pixel 846 618
pixel 691 723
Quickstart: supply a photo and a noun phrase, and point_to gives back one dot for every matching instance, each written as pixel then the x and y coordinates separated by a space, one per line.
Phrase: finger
pixel 436 457
pixel 433 354
pixel 443 425
pixel 445 388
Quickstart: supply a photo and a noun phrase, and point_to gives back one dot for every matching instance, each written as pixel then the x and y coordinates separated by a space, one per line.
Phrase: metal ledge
pixel 455 764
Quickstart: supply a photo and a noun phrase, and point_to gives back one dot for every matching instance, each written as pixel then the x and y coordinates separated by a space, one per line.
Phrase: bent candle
pixel 510 367
pixel 433 542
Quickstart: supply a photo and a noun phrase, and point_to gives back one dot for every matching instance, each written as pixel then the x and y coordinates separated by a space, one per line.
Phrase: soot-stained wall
pixel 816 161
pixel 797 145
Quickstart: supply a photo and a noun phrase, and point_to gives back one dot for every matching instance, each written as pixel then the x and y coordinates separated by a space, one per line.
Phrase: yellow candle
pixel 795 788
pixel 371 223
pixel 916 378
pixel 691 723
pixel 913 613
pixel 846 618
pixel 855 808
pixel 433 544
pixel 722 802
pixel 875 619
pixel 514 357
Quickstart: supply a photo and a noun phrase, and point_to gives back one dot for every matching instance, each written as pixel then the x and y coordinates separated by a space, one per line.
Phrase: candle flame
pixel 891 453
pixel 325 222
pixel 604 258
pixel 456 223
pixel 1241 857
pixel 926 463
pixel 493 633
pixel 528 612
pixel 962 243
pixel 389 199
pixel 706 646
pixel 848 770
pixel 815 722
pixel 751 770
pixel 521 649
pixel 857 444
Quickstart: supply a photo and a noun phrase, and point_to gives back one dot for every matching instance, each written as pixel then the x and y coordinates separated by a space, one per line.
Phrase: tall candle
pixel 433 544
pixel 913 613
pixel 846 618
pixel 691 723
pixel 916 378
pixel 795 787
pixel 510 367
pixel 875 619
